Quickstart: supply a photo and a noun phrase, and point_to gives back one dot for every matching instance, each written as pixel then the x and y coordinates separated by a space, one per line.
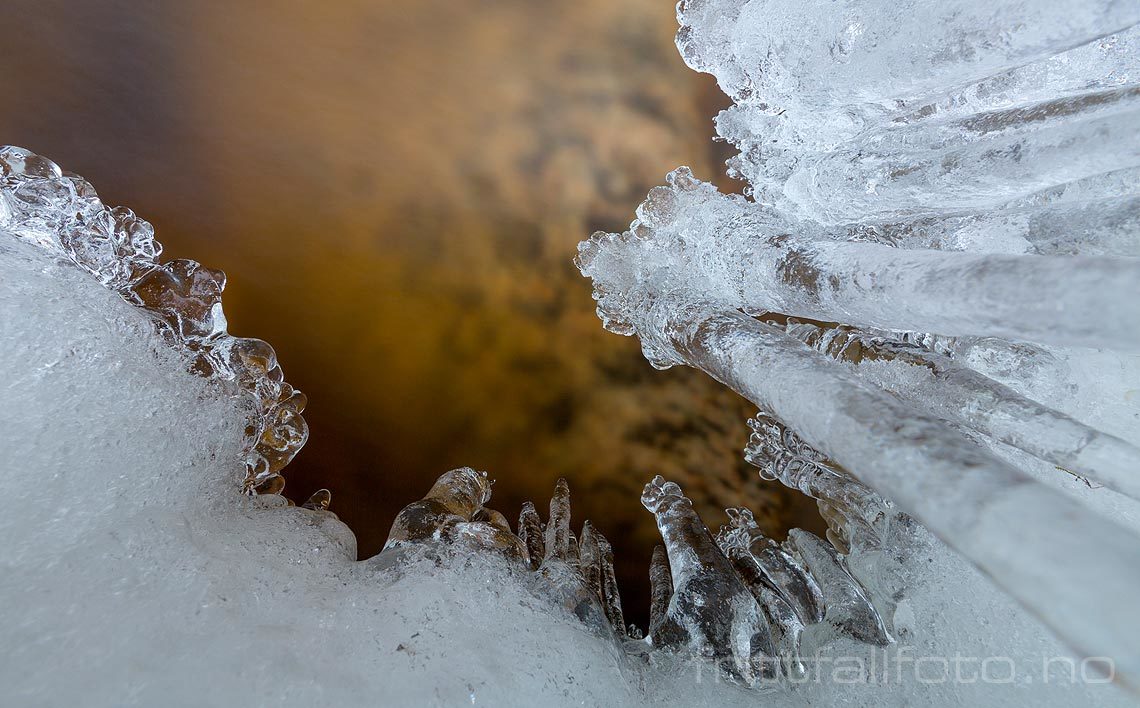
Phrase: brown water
pixel 396 191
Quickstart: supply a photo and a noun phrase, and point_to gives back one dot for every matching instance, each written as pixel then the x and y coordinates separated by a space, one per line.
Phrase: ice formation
pixel 930 291
pixel 61 213
pixel 931 283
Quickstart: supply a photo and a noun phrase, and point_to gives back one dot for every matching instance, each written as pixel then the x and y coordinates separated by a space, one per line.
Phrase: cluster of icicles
pixel 738 600
pixel 932 275
pixel 61 213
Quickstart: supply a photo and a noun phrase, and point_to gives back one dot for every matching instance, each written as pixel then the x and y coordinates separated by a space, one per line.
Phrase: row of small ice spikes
pixel 739 600
pixel 577 570
pixel 61 213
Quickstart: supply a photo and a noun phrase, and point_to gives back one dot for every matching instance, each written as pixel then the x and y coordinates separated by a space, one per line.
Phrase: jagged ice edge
pixel 61 213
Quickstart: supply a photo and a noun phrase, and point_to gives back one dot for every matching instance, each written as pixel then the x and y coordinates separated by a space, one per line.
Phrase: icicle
pixel 851 510
pixel 564 576
pixel 783 572
pixel 1012 527
pixel 591 561
pixel 611 598
pixel 711 613
pixel 784 623
pixel 1105 227
pixel 660 593
pixel 877 175
pixel 808 59
pixel 938 384
pixel 846 606
pixel 558 524
pixel 743 256
pixel 531 534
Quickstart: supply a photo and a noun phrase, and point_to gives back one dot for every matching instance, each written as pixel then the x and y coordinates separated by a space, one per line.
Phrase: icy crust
pixel 61 213
pixel 135 573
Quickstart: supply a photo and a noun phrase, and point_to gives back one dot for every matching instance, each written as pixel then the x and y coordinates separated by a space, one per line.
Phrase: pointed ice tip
pixel 588 251
pixel 656 491
pixel 273 484
pixel 682 178
pixel 741 517
pixel 319 501
pixel 561 492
